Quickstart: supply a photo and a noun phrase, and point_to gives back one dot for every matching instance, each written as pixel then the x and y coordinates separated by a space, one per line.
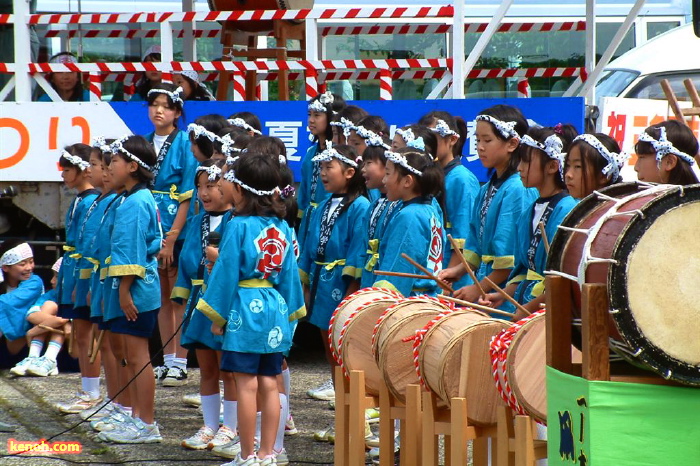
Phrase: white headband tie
pixel 175 96
pixel 231 160
pixel 553 147
pixel 506 128
pixel 346 124
pixel 283 160
pixel 410 139
pixel 443 129
pixel 75 160
pixel 15 256
pixel 57 265
pixel 101 144
pixel 663 146
pixel 199 130
pixel 227 147
pixel 117 146
pixel 240 122
pixel 330 153
pixel 213 171
pixel 323 103
pixel 230 176
pixel 615 160
pixel 401 159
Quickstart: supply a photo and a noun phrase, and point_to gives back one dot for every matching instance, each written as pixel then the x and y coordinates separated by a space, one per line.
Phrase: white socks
pixel 230 414
pixel 284 413
pixel 91 386
pixel 35 348
pixel 211 405
pixel 168 359
pixel 258 425
pixel 52 352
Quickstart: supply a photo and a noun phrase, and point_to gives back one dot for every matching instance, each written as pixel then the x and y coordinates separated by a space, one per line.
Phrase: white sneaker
pixel 289 427
pixel 136 432
pixel 232 449
pixel 252 460
pixel 80 402
pixel 281 457
pixel 42 367
pixel 159 373
pixel 324 392
pixel 200 440
pixel 99 411
pixel 269 460
pixel 115 421
pixel 20 368
pixel 223 436
pixel 175 377
pixel 193 399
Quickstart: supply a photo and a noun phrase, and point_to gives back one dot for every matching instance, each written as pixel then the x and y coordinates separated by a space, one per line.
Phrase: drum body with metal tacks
pixel 350 332
pixel 453 361
pixel 392 342
pixel 256 26
pixel 642 241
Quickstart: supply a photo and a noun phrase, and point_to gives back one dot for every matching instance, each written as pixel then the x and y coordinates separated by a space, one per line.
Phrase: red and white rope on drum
pixel 498 350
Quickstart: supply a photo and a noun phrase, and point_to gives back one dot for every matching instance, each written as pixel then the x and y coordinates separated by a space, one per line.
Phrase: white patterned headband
pixel 410 139
pixel 506 128
pixel 615 160
pixel 227 147
pixel 553 147
pixel 240 122
pixel 443 129
pixel 663 146
pixel 330 154
pixel 371 138
pixel 75 160
pixel 323 103
pixel 14 256
pixel 57 265
pixel 199 130
pixel 118 146
pixel 213 171
pixel 346 125
pixel 175 96
pixel 401 159
pixel 231 160
pixel 101 144
pixel 230 176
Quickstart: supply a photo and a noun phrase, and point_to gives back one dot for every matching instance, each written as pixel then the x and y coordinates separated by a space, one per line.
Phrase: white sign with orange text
pixel 625 119
pixel 32 135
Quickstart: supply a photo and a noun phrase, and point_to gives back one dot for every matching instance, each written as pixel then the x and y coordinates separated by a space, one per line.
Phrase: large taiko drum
pixel 350 332
pixel 256 26
pixel 392 342
pixel 453 361
pixel 642 240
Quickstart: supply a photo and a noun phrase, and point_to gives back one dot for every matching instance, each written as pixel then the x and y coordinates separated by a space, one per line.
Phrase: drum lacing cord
pixel 418 338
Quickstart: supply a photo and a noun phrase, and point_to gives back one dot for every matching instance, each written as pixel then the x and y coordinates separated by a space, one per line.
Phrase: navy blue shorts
pixel 67 311
pixel 252 363
pixel 101 324
pixel 142 327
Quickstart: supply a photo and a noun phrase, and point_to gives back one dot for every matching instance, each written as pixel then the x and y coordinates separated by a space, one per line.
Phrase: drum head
pixel 527 361
pixel 653 286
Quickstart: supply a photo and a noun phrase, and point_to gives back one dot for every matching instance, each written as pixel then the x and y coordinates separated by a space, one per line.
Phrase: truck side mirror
pixel 696 17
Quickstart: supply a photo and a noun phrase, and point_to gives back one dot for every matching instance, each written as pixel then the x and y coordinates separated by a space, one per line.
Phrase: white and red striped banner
pixel 444 28
pixel 126 33
pixel 244 15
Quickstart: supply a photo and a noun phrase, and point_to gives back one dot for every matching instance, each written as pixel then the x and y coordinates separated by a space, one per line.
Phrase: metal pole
pixel 590 39
pixel 458 65
pixel 166 41
pixel 189 49
pixel 23 54
pixel 589 86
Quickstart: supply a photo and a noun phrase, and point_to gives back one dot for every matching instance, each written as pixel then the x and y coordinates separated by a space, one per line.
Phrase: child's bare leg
pixel 145 386
pixel 270 408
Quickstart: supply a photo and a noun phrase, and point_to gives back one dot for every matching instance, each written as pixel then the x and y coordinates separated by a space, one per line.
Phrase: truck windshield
pixel 612 83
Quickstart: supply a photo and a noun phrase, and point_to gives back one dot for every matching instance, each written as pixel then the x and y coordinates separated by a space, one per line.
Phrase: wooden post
pixel 595 318
pixel 458 435
pixel 340 450
pixel 524 442
pixel 558 318
pixel 430 452
pixel 386 426
pixel 672 101
pixel 356 424
pixel 506 435
pixel 413 425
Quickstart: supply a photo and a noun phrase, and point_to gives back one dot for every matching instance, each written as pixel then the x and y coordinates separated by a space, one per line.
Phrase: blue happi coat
pixel 417 230
pixel 331 273
pixel 102 247
pixel 254 291
pixel 311 191
pixel 15 304
pixel 136 240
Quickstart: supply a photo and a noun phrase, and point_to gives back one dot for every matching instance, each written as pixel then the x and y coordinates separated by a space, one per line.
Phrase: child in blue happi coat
pixel 321 112
pixel 416 229
pixel 134 299
pixel 345 121
pixel 594 161
pixel 541 167
pixel 253 296
pixel 371 131
pixel 172 189
pixel 335 236
pixel 490 246
pixel 461 185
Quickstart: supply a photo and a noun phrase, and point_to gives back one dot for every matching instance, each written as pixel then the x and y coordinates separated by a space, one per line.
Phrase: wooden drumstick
pixel 478 307
pixel 427 273
pixel 91 348
pixel 506 296
pixel 466 265
pixel 72 339
pixel 398 274
pixel 96 351
pixel 545 240
pixel 51 329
